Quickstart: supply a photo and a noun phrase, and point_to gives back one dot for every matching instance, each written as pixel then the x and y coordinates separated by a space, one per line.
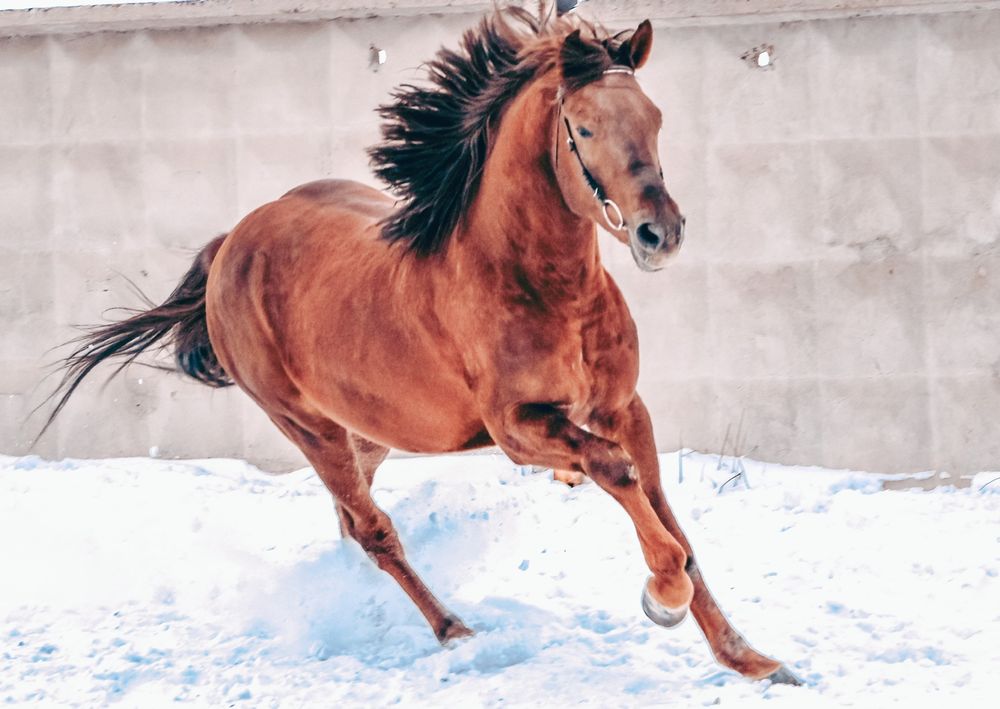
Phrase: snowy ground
pixel 141 582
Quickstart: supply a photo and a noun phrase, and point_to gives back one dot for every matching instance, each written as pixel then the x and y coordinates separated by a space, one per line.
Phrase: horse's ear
pixel 635 51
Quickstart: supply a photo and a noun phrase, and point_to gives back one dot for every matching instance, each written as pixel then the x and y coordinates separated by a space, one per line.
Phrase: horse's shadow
pixel 339 605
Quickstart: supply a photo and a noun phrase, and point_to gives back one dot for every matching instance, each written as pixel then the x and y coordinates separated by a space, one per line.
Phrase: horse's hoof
pixel 452 631
pixel 660 614
pixel 783 675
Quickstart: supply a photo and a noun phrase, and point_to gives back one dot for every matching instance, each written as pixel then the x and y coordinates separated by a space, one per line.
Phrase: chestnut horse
pixel 473 311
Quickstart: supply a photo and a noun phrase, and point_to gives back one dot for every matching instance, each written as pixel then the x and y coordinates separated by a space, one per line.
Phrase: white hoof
pixel 659 613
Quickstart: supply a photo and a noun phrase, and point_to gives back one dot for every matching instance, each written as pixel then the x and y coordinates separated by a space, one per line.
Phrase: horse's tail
pixel 177 323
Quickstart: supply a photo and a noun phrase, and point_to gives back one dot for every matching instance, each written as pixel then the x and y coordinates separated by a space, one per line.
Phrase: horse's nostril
pixel 647 235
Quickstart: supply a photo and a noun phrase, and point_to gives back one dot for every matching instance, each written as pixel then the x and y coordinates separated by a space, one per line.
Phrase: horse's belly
pixel 384 375
pixel 408 418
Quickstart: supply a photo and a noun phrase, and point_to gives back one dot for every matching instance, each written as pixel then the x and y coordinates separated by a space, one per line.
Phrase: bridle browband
pixel 599 194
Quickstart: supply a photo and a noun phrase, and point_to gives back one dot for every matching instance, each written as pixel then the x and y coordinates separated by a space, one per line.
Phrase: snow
pixel 142 582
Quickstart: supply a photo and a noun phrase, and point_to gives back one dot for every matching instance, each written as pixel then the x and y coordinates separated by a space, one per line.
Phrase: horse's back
pixel 321 217
pixel 344 194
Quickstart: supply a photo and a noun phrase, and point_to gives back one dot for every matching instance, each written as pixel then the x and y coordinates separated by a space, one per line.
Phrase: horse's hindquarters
pixel 309 310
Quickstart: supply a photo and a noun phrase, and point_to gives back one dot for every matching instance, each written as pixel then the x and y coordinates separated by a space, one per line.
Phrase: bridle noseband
pixel 599 194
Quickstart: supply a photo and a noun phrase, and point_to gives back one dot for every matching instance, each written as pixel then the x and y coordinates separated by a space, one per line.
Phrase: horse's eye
pixel 584 133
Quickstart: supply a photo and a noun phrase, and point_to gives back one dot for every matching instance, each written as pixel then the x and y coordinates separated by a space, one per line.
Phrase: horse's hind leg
pixel 346 465
pixel 367 457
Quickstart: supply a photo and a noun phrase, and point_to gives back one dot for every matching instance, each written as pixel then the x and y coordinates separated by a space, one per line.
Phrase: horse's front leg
pixel 540 434
pixel 633 430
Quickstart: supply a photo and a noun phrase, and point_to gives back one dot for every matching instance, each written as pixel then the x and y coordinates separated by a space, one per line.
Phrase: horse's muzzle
pixel 653 243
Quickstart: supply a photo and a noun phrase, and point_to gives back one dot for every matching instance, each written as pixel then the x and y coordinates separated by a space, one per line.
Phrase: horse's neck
pixel 519 222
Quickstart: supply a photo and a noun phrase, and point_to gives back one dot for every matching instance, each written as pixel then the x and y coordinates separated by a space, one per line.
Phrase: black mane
pixel 436 138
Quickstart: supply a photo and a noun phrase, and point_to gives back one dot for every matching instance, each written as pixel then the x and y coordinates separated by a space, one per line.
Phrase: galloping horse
pixel 473 311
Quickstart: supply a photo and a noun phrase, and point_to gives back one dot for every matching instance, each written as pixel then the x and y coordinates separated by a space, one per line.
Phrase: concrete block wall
pixel 836 299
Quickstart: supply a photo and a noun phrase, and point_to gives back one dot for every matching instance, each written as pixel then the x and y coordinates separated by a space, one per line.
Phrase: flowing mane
pixel 436 138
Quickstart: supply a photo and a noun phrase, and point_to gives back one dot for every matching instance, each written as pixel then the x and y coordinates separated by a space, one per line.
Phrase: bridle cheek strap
pixel 608 206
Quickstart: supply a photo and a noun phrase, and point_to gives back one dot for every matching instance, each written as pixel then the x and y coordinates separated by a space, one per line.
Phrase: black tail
pixel 178 323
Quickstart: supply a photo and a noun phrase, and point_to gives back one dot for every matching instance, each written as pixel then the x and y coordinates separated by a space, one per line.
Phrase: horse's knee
pixel 612 469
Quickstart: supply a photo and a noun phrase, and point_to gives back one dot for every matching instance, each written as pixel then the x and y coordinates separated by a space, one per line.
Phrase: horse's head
pixel 605 155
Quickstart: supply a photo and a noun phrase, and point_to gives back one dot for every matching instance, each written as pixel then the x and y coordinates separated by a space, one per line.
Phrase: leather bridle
pixel 599 193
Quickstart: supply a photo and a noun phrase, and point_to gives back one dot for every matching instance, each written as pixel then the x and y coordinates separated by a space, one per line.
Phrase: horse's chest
pixel 605 363
pixel 583 355
pixel 610 360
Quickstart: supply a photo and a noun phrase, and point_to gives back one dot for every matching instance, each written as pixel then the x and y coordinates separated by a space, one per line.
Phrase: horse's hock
pixel 836 300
